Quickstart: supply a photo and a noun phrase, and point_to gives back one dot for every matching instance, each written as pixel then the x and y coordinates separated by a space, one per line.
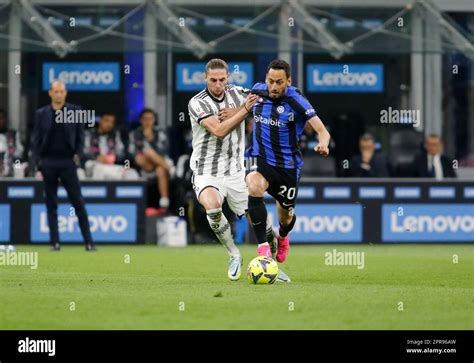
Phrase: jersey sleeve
pixel 302 106
pixel 241 94
pixel 196 112
pixel 259 86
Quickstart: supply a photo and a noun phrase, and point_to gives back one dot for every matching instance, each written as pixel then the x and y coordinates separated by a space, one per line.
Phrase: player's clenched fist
pixel 322 149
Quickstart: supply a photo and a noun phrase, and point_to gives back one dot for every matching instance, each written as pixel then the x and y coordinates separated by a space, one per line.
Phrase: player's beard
pixel 279 95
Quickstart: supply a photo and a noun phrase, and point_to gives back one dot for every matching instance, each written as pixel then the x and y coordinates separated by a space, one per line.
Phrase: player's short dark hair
pixel 216 63
pixel 280 64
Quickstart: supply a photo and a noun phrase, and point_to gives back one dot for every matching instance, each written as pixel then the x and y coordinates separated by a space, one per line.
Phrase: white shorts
pixel 232 187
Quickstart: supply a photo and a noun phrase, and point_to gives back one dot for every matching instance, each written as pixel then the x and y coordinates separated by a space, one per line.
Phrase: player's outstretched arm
pixel 222 129
pixel 323 135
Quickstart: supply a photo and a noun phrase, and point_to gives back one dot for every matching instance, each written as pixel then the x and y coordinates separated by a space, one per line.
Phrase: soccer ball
pixel 262 270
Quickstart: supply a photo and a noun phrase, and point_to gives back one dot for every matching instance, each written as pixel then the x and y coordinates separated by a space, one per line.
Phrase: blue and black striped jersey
pixel 278 125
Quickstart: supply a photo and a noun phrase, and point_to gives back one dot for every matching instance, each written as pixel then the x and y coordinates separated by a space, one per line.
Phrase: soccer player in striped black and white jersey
pixel 217 159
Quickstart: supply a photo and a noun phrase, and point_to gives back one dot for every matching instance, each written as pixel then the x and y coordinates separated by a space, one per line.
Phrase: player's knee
pixel 210 204
pixel 256 184
pixel 210 200
pixel 255 187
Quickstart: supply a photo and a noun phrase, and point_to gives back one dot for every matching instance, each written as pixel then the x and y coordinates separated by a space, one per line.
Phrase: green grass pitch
pixel 74 289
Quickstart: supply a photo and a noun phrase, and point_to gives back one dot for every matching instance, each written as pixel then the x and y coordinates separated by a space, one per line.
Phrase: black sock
pixel 270 235
pixel 258 217
pixel 284 230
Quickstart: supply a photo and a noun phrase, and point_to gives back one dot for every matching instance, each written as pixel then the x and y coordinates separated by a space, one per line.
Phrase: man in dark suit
pixel 57 140
pixel 431 163
pixel 368 164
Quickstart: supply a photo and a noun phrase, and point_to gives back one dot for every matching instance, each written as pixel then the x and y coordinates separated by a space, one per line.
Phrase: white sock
pixel 221 228
pixel 164 202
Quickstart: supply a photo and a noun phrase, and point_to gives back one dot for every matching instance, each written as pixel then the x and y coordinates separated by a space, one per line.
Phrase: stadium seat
pixel 404 146
pixel 317 165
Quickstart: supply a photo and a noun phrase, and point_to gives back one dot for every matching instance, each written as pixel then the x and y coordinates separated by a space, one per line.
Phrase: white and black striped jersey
pixel 211 155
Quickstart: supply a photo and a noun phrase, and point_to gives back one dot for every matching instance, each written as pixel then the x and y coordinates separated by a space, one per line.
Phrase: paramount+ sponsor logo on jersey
pixel 324 223
pixel 189 76
pixel 341 77
pixel 83 76
pixel 428 222
pixel 109 222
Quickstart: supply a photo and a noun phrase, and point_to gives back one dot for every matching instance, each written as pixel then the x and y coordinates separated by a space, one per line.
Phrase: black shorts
pixel 282 183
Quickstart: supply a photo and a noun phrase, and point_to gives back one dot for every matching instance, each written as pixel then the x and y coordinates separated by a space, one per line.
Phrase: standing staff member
pixel 54 146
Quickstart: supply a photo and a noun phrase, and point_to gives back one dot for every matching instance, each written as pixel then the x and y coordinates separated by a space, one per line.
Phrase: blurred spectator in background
pixel 11 150
pixel 104 152
pixel 369 163
pixel 431 163
pixel 148 145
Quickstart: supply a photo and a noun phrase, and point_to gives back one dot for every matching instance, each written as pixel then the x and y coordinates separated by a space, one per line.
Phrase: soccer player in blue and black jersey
pixel 279 118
